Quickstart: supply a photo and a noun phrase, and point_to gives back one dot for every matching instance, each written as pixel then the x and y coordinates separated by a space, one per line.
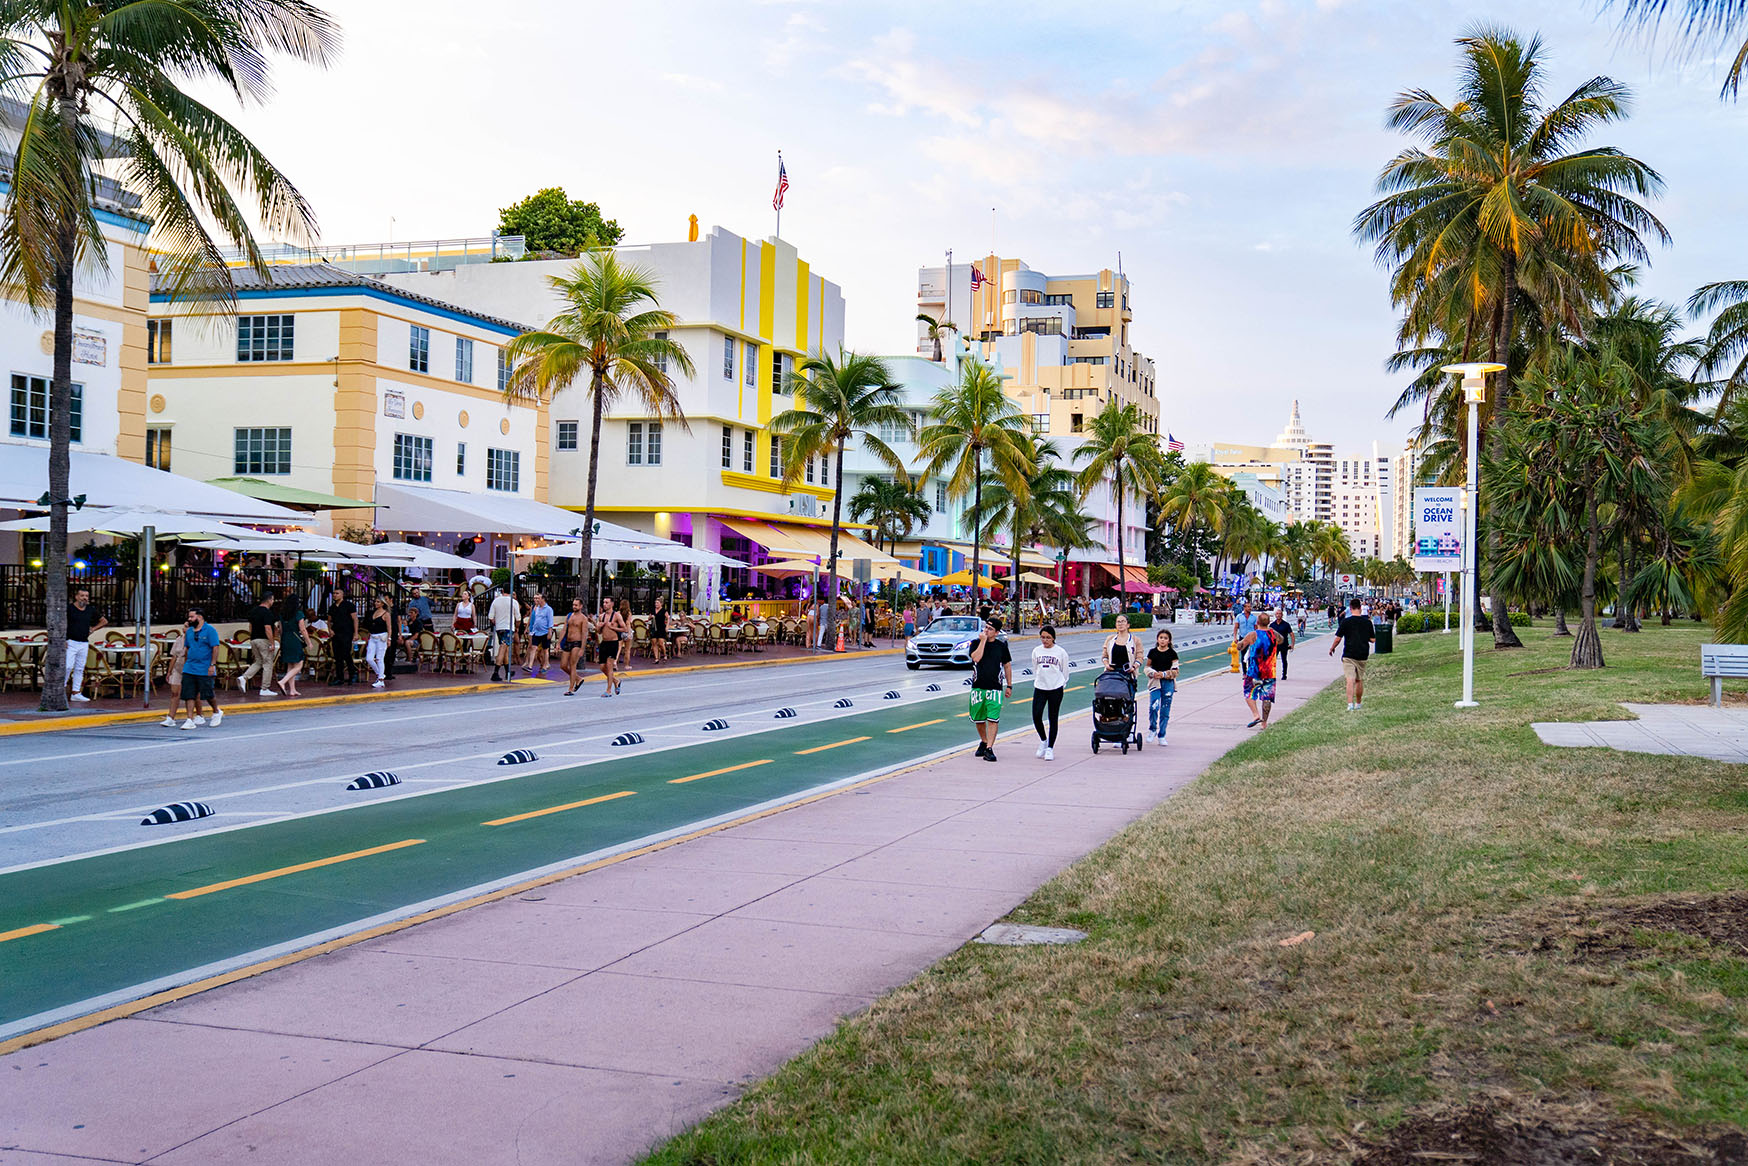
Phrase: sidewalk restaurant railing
pixel 222 598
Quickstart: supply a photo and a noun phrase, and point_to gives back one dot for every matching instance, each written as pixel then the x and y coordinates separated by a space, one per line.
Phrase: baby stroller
pixel 1113 711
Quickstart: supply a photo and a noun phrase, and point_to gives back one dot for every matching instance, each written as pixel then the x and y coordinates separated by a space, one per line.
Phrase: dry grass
pixel 1422 849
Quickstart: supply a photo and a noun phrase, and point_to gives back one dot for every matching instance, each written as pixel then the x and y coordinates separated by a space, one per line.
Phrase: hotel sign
pixel 90 348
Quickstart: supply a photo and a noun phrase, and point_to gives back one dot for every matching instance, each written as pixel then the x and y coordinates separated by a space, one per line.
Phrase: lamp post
pixel 1474 376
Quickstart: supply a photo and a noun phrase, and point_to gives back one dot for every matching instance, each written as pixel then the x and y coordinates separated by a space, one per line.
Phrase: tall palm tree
pixel 101 81
pixel 974 428
pixel 1035 501
pixel 1704 23
pixel 835 400
pixel 1724 354
pixel 936 331
pixel 614 329
pixel 892 506
pixel 1116 447
pixel 1329 546
pixel 1197 498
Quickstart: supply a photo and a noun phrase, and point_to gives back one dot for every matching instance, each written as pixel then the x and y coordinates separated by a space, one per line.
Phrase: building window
pixel 264 338
pixel 1010 296
pixel 503 369
pixel 158 449
pixel 661 358
pixel 263 451
pixel 1059 301
pixel 1075 422
pixel 567 435
pixel 728 358
pixel 752 361
pixel 653 438
pixel 500 554
pixel 464 360
pixel 158 341
pixel 1042 325
pixel 810 470
pixel 940 497
pixel 1040 423
pixel 825 470
pixel 643 443
pixel 776 456
pixel 779 371
pixel 413 457
pixel 503 470
pixel 746 451
pixel 1106 299
pixel 30 408
pixel 1028 296
pixel 460 459
pixel 419 349
pixel 634 444
pixel 727 447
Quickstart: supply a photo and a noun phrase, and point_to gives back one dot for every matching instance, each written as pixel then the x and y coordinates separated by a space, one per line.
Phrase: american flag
pixel 977 279
pixel 1172 444
pixel 782 185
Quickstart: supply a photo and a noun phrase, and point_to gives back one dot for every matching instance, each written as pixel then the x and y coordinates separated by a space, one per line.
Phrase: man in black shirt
pixel 1354 634
pixel 1284 630
pixel 343 628
pixel 992 679
pixel 82 620
pixel 263 647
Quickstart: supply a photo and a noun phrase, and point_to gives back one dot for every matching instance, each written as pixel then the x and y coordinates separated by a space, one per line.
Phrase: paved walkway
pixel 1679 730
pixel 586 1020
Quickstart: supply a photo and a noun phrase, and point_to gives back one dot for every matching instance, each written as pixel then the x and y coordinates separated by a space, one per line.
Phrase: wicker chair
pixel 451 652
pixel 749 637
pixel 17 666
pixel 640 645
pixel 429 654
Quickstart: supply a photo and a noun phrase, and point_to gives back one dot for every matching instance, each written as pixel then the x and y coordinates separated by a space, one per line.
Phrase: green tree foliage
pixel 553 223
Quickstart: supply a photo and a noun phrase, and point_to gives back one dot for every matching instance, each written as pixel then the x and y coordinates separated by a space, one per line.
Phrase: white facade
pixel 921 380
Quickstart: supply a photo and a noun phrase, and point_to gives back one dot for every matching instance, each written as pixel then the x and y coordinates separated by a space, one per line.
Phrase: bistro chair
pixel 429 654
pixel 17 665
pixel 640 638
pixel 451 652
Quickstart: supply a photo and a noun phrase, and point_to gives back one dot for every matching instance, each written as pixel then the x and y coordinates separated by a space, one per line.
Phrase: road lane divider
pixel 717 772
pixel 246 880
pixel 833 745
pixel 624 793
pixel 919 725
pixel 33 929
pixel 134 906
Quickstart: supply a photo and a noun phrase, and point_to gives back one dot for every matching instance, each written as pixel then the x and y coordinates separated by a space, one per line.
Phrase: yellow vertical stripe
pixel 802 287
pixel 768 292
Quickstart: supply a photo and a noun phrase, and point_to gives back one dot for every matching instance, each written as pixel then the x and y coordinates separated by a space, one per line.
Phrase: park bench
pixel 1720 661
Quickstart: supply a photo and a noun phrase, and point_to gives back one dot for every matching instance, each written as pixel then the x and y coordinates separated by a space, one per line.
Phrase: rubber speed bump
pixel 843 702
pixel 627 739
pixel 518 757
pixel 177 812
pixel 782 714
pixel 715 726
pixel 376 780
pixel 892 694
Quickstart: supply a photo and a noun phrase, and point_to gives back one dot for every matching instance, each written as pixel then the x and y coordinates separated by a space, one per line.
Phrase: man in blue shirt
pixel 419 612
pixel 199 642
pixel 1243 623
pixel 539 635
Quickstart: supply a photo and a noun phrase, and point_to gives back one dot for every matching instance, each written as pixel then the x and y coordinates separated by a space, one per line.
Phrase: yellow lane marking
pixel 963 714
pixel 1077 688
pixel 833 745
pixel 624 793
pixel 33 929
pixel 919 725
pixel 717 772
pixel 287 870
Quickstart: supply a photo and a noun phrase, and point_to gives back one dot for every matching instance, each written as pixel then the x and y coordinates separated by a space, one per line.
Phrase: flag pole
pixel 779 198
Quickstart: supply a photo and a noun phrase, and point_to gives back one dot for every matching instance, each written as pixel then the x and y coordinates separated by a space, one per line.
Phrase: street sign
pixel 1438 528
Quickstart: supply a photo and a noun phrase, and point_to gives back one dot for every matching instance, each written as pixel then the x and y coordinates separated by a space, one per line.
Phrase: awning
pixel 402 507
pixel 106 480
pixel 1132 574
pixel 805 542
pixel 289 495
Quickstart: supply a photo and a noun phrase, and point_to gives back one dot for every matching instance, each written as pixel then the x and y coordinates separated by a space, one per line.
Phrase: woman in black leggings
pixel 1049 681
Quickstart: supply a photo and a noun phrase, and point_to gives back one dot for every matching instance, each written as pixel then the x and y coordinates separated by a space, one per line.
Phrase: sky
pixel 1222 149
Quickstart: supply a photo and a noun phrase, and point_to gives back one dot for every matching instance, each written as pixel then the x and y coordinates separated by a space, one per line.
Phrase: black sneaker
pixel 989 755
pixel 982 748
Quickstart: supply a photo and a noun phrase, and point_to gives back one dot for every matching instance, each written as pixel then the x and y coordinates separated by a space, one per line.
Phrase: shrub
pixel 1137 619
pixel 1410 623
pixel 1519 619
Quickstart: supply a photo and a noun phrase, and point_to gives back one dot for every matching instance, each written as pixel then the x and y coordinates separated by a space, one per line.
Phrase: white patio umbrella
pixel 130 521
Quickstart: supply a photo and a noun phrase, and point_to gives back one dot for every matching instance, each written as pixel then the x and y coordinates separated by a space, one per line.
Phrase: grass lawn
pixel 1487 927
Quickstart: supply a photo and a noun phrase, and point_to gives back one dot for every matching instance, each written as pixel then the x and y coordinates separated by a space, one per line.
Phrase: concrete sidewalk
pixel 588 1019
pixel 1675 730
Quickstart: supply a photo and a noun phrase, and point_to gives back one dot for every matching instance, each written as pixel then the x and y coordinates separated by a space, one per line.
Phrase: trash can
pixel 1384 636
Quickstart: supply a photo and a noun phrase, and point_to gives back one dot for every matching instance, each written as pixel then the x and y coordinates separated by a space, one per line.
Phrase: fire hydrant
pixel 1232 652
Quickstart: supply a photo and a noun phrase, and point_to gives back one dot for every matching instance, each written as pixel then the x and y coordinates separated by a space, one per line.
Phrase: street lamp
pixel 1474 376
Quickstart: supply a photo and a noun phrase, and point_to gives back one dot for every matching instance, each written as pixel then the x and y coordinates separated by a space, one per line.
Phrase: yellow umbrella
pixel 962 578
pixel 1034 577
pixel 789 567
pixel 902 573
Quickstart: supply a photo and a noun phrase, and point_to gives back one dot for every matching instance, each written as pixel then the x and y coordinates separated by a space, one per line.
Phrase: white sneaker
pixel 1049 753
pixel 188 724
pixel 169 722
pixel 81 698
pixel 268 692
pixel 378 684
pixel 217 716
pixel 1041 748
pixel 196 720
pixel 1162 741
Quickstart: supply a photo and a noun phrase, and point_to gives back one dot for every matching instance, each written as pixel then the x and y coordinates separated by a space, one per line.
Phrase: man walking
pixel 1354 634
pixel 574 644
pixel 1259 650
pixel 539 635
pixel 342 632
pixel 199 642
pixel 504 615
pixel 1285 640
pixel 992 679
pixel 263 647
pixel 1243 623
pixel 80 625
pixel 611 629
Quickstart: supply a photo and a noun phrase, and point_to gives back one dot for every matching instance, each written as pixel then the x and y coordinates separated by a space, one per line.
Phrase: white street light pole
pixel 1474 376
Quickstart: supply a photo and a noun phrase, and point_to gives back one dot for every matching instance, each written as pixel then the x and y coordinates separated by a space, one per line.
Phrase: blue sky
pixel 1223 149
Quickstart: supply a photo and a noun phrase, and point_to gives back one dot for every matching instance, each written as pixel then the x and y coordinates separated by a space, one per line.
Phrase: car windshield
pixel 957 623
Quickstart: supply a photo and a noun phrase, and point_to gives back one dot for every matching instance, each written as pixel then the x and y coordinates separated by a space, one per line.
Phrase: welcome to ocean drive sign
pixel 1438 528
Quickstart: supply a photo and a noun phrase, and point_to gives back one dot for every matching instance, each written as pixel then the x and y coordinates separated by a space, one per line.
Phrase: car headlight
pixel 964 646
pixel 910 645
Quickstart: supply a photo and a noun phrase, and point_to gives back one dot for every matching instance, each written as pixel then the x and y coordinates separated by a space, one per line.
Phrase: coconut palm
pixel 835 401
pixel 1197 498
pixel 1035 500
pixel 1117 448
pixel 1329 546
pixel 936 331
pixel 1704 25
pixel 105 83
pixel 1724 352
pixel 614 329
pixel 974 428
pixel 891 506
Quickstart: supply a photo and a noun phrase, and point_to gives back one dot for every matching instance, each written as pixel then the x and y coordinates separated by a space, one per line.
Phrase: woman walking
pixel 1162 662
pixel 1121 650
pixel 658 631
pixel 292 629
pixel 1049 681
pixel 376 646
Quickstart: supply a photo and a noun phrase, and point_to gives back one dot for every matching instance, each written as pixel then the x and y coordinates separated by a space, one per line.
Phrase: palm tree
pixel 1329 546
pixel 1198 497
pixel 1704 23
pixel 936 330
pixel 1035 501
pixel 974 427
pixel 1117 447
pixel 836 399
pixel 893 507
pixel 196 174
pixel 1724 354
pixel 613 328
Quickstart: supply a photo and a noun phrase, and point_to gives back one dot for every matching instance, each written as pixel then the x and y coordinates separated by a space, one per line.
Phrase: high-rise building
pixel 1405 473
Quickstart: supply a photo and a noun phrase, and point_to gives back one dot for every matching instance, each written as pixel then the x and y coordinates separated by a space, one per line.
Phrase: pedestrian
pixel 1301 623
pixel 1258 650
pixel 263 647
pixel 292 629
pixel 1162 664
pixel 199 642
pixel 1285 641
pixel 463 624
pixel 376 647
pixel 658 632
pixel 81 622
pixel 1243 623
pixel 539 635
pixel 992 679
pixel 611 628
pixel 868 623
pixel 342 633
pixel 1121 651
pixel 1354 634
pixel 504 615
pixel 574 644
pixel 909 620
pixel 1049 682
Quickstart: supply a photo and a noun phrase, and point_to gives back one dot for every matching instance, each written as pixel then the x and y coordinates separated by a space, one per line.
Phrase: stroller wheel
pixel 1137 743
pixel 1125 748
pixel 1095 742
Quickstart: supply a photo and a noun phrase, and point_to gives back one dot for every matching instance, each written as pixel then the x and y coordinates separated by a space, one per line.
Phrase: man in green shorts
pixel 992 678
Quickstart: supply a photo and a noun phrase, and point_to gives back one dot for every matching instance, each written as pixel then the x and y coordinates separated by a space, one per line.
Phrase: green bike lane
pixel 83 931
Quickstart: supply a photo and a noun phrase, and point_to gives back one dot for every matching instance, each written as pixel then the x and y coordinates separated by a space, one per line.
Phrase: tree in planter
pixel 835 400
pixel 974 428
pixel 936 331
pixel 98 80
pixel 552 223
pixel 613 329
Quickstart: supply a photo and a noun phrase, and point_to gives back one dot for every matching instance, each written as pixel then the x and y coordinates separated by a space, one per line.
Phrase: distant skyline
pixel 1223 149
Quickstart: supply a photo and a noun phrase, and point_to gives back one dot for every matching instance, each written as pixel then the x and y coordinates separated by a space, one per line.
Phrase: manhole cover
pixel 1019 935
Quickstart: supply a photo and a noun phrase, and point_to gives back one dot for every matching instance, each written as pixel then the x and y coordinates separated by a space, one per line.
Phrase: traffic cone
pixel 840 637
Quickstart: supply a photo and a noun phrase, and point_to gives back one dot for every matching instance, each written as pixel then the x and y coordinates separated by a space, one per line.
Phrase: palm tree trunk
pixel 586 555
pixel 1016 580
pixel 976 539
pixel 54 688
pixel 1587 648
pixel 831 586
pixel 1122 583
pixel 1503 634
pixel 1560 628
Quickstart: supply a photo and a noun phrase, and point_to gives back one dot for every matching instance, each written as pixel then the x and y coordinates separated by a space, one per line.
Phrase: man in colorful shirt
pixel 1258 650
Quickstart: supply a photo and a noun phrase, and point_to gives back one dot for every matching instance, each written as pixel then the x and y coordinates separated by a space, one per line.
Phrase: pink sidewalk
pixel 587 1020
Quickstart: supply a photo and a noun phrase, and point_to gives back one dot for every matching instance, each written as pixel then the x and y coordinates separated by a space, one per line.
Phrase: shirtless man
pixel 612 628
pixel 574 644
